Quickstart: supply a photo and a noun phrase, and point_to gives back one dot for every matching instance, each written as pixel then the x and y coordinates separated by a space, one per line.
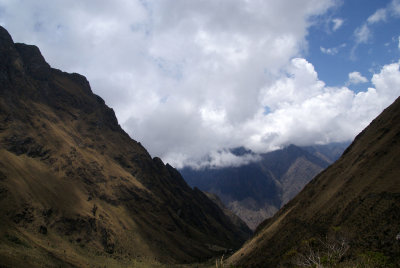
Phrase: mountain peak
pixel 8 55
pixel 34 62
pixel 5 39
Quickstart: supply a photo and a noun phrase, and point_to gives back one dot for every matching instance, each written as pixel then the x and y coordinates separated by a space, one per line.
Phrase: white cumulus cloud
pixel 190 79
pixel 356 78
pixel 183 76
pixel 305 110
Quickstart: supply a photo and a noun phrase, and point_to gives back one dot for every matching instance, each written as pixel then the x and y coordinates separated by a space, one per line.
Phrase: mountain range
pixel 77 191
pixel 255 191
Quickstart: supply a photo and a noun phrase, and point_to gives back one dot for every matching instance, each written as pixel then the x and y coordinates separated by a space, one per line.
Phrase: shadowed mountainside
pixel 76 190
pixel 257 190
pixel 355 204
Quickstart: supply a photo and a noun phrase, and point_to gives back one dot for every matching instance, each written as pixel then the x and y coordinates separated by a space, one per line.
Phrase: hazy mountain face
pixel 257 190
pixel 76 190
pixel 349 214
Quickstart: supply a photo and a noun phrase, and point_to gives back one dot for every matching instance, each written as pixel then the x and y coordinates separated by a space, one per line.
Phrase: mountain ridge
pixel 76 190
pixel 256 190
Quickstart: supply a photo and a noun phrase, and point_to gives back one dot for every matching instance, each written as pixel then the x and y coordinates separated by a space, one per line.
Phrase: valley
pixel 77 191
pixel 257 190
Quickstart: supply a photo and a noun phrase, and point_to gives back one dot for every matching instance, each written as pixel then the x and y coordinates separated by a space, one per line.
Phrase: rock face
pixel 76 190
pixel 351 209
pixel 257 190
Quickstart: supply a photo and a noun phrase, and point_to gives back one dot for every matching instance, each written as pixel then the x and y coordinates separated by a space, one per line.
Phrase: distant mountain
pixel 255 191
pixel 329 152
pixel 346 216
pixel 77 191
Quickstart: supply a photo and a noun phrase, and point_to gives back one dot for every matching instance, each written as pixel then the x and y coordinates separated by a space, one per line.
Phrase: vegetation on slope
pixel 76 190
pixel 356 199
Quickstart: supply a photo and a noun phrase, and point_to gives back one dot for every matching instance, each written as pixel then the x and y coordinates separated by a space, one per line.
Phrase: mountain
pixel 77 191
pixel 329 152
pixel 257 190
pixel 349 214
pixel 232 216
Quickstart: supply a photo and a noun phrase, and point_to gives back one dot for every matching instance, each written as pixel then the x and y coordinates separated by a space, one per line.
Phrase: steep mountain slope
pixel 76 190
pixel 354 204
pixel 257 190
pixel 233 217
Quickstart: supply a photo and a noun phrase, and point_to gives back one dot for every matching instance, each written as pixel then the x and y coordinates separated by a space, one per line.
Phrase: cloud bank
pixel 191 79
pixel 305 110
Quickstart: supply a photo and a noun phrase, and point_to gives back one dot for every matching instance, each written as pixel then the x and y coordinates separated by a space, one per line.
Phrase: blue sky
pixel 191 79
pixel 367 58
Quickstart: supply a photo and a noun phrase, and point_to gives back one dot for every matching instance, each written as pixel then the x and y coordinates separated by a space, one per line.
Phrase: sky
pixel 191 79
